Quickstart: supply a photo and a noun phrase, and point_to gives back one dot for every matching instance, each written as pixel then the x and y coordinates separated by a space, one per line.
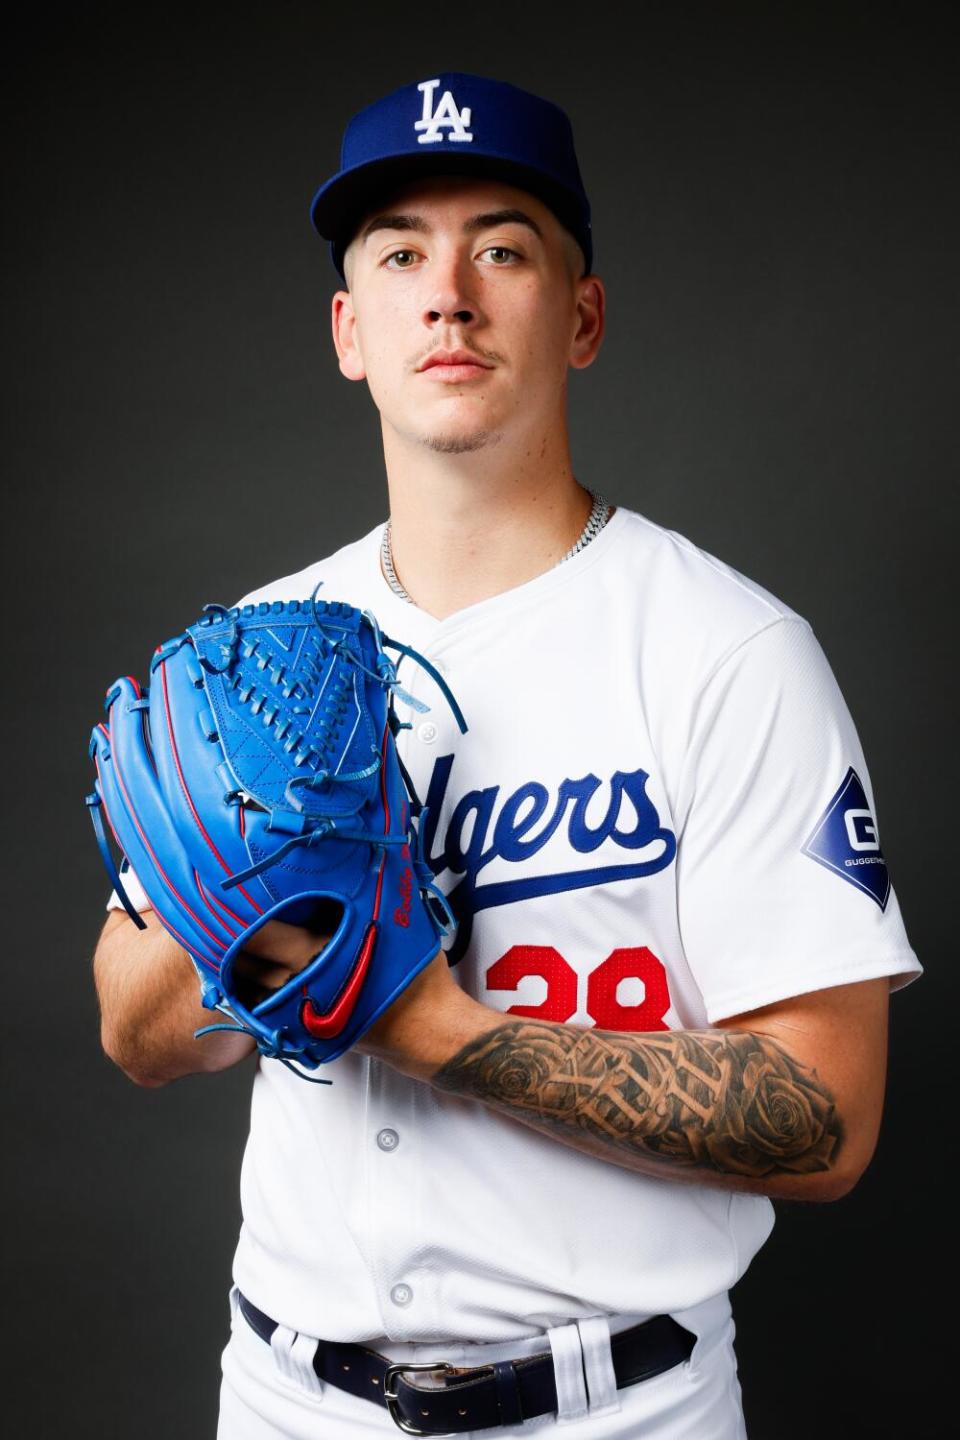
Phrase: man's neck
pixel 469 526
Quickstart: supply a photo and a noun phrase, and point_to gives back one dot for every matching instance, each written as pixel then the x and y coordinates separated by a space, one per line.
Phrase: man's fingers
pixel 260 973
pixel 271 956
pixel 287 945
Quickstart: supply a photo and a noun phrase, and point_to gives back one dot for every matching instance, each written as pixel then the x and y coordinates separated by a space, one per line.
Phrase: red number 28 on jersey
pixel 603 983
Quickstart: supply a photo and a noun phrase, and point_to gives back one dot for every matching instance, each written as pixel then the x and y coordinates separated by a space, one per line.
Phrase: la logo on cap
pixel 446 116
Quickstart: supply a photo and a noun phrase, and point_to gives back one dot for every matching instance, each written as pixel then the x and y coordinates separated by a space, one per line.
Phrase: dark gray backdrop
pixel 774 192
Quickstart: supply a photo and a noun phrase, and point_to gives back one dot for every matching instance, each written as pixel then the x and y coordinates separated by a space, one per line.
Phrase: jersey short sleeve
pixel 782 883
pixel 135 892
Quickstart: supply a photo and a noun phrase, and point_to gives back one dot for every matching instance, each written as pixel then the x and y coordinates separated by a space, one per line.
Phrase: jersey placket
pixel 396 1142
pixel 396 1125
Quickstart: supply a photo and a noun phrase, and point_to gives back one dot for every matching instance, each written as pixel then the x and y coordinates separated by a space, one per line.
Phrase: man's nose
pixel 451 295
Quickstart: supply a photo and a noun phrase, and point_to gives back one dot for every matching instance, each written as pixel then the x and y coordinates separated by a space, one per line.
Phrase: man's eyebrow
pixel 473 226
pixel 393 222
pixel 502 217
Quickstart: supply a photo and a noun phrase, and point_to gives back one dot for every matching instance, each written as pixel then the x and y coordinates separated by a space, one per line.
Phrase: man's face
pixel 477 275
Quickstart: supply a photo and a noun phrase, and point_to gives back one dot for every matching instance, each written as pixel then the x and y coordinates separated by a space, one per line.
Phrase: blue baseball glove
pixel 258 781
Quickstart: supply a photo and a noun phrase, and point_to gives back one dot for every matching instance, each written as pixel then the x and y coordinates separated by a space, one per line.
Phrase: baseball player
pixel 524 1199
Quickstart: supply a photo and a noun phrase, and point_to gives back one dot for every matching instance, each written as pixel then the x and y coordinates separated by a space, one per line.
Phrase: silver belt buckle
pixel 392 1398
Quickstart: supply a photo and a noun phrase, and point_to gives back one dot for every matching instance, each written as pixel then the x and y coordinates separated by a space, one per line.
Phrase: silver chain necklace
pixel 599 515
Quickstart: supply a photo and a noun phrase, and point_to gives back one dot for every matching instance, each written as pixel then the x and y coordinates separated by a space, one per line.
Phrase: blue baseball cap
pixel 454 124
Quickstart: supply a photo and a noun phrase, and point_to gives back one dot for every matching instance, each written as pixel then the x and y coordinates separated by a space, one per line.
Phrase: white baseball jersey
pixel 660 817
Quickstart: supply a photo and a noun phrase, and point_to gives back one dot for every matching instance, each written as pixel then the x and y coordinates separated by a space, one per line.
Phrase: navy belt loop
pixel 508 1392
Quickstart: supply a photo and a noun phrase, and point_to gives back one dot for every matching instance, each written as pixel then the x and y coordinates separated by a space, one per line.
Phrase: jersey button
pixel 388 1139
pixel 401 1294
pixel 427 732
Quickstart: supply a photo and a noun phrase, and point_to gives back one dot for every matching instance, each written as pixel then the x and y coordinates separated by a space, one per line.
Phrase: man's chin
pixel 460 442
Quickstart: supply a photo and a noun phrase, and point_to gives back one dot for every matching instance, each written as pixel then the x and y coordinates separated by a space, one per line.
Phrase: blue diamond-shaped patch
pixel 845 840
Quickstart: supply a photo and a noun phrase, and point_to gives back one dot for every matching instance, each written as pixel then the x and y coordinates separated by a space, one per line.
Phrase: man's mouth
pixel 454 365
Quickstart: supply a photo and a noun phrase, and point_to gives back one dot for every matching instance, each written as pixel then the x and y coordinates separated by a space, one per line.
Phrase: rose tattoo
pixel 727 1101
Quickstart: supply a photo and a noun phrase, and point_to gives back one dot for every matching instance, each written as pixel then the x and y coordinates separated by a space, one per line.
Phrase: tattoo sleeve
pixel 727 1102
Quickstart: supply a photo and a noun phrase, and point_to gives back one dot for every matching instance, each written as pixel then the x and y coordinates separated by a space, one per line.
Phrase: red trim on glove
pixel 193 811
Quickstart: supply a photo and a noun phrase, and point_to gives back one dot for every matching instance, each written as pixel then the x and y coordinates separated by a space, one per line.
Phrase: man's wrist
pixel 430 1023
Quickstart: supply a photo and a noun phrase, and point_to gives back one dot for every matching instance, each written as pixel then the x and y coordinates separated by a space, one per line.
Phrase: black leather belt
pixel 504 1393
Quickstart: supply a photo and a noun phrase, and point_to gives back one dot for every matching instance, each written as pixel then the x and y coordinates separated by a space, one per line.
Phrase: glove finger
pixel 145 833
pixel 195 785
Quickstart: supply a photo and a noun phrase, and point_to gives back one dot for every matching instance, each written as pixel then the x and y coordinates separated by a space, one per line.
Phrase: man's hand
pixel 414 1034
pixel 272 956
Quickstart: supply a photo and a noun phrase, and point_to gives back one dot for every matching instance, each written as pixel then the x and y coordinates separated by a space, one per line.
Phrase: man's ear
pixel 590 322
pixel 343 321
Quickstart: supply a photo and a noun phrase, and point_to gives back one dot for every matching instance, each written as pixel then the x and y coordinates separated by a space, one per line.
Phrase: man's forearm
pixel 725 1107
pixel 150 1007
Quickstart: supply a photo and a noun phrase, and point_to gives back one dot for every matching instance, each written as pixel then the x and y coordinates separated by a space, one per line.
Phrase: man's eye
pixel 400 259
pixel 501 254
